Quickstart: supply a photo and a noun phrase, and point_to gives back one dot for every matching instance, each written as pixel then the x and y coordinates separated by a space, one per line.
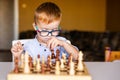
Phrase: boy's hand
pixel 17 49
pixel 54 42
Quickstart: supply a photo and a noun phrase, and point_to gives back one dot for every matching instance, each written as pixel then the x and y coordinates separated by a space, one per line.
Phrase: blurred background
pixel 91 25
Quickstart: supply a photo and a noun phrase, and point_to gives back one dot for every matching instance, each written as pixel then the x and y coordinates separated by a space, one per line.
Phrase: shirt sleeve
pixel 62 50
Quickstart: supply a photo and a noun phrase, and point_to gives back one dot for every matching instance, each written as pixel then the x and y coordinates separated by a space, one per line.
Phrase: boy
pixel 46 23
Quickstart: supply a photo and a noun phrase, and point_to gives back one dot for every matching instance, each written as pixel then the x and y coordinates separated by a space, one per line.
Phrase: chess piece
pixel 62 64
pixel 16 69
pixel 58 52
pixel 107 54
pixel 52 55
pixel 57 55
pixel 43 65
pixel 48 63
pixel 80 64
pixel 22 61
pixel 30 63
pixel 57 68
pixel 69 59
pixel 43 60
pixel 38 66
pixel 34 62
pixel 64 57
pixel 26 66
pixel 72 70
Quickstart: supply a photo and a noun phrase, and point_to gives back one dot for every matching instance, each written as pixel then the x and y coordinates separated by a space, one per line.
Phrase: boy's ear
pixel 59 27
pixel 34 26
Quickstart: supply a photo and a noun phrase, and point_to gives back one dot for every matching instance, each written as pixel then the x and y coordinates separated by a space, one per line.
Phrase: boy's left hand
pixel 54 42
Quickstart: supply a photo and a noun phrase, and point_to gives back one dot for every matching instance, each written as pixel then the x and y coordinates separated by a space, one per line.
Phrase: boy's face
pixel 46 30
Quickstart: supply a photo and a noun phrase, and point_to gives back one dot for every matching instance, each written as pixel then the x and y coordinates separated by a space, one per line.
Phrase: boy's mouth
pixel 45 40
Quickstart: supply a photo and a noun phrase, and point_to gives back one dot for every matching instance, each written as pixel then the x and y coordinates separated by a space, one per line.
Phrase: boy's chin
pixel 45 40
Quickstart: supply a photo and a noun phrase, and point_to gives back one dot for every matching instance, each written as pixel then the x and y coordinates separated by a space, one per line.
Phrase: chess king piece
pixel 80 63
pixel 26 67
pixel 57 68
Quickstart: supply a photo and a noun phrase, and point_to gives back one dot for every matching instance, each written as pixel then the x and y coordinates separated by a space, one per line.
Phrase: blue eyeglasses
pixel 45 33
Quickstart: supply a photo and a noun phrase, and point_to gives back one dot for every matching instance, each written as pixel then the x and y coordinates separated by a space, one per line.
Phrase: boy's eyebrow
pixel 49 29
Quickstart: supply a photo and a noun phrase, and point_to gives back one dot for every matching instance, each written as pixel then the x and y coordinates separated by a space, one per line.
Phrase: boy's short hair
pixel 50 9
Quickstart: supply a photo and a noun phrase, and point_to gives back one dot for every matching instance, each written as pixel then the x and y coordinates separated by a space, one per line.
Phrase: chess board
pixel 57 69
pixel 64 75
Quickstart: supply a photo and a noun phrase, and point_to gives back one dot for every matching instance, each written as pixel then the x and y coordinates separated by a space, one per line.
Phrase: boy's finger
pixel 50 43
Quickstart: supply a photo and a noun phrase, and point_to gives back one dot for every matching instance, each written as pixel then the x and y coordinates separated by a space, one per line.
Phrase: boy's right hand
pixel 17 49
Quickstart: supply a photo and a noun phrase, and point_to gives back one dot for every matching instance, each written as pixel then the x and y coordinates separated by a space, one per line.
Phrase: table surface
pixel 98 70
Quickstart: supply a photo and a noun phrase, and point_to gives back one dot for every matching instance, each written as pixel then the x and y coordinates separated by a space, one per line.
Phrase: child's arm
pixel 54 42
pixel 17 49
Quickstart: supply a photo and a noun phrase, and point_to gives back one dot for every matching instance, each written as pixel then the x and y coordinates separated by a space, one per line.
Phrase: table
pixel 98 70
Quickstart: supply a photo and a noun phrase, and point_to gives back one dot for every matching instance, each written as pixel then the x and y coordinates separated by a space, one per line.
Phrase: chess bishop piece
pixel 72 70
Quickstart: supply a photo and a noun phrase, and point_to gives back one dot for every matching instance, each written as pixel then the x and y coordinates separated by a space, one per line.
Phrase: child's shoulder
pixel 30 41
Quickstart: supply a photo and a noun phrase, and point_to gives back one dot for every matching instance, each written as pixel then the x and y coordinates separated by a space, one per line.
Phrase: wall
pixel 113 15
pixel 6 23
pixel 84 15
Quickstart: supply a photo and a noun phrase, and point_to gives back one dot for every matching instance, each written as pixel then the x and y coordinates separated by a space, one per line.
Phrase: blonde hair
pixel 51 10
